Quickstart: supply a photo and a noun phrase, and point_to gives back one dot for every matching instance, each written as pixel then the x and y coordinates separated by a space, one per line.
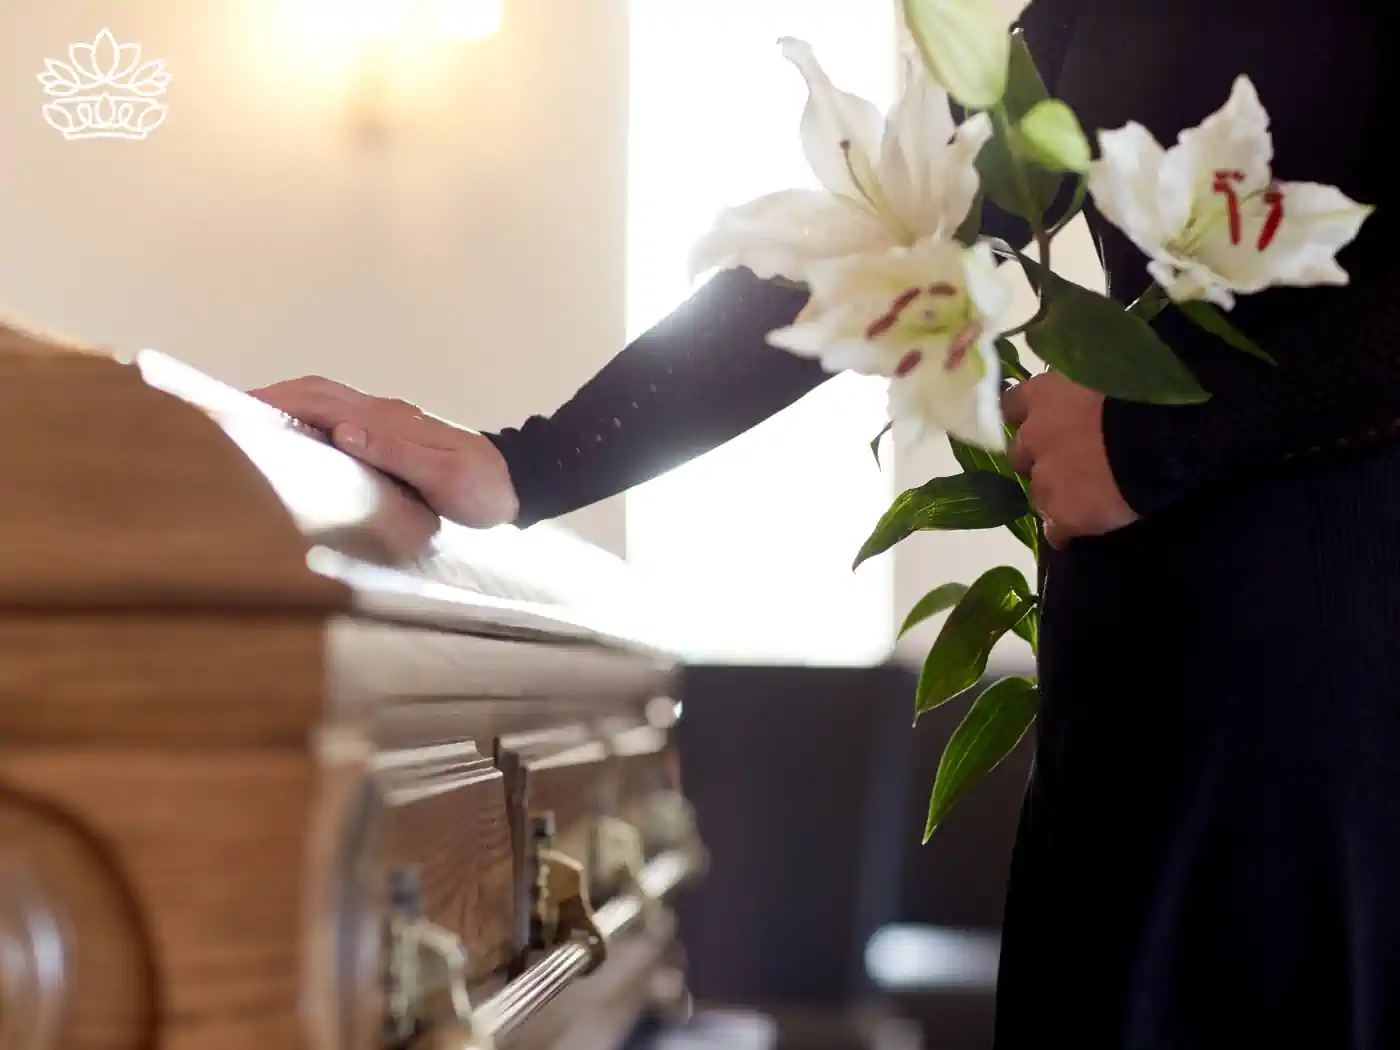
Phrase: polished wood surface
pixel 118 495
pixel 113 987
pixel 243 679
pixel 449 817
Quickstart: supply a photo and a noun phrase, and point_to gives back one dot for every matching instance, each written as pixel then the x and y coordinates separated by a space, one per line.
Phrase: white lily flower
pixel 926 316
pixel 1209 214
pixel 886 181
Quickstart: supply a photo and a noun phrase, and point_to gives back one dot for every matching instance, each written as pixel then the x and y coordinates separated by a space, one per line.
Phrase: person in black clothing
pixel 1209 852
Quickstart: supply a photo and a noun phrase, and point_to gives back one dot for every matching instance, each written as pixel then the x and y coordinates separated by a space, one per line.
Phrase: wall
pixel 474 264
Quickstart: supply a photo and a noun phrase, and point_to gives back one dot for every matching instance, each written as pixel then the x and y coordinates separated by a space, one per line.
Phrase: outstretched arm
pixel 700 377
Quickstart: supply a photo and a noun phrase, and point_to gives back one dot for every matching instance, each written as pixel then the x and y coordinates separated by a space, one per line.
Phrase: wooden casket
pixel 286 763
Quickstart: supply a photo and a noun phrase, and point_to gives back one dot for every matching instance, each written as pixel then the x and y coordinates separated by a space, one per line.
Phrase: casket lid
pixel 146 483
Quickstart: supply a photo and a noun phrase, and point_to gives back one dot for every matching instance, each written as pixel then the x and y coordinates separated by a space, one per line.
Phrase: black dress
pixel 1209 853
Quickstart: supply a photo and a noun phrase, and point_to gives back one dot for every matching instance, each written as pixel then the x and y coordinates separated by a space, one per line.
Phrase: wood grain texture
pixel 175 680
pixel 447 817
pixel 210 843
pixel 170 514
pixel 564 772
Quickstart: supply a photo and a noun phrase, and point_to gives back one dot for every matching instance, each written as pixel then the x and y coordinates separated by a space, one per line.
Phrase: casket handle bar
pixel 428 1005
pixel 561 908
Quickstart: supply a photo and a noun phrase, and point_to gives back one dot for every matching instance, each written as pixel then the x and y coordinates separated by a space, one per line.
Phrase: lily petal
pixel 917 128
pixel 926 316
pixel 964 400
pixel 1234 139
pixel 991 295
pixel 836 338
pixel 781 234
pixel 1186 279
pixel 840 131
pixel 871 281
pixel 958 174
pixel 1125 182
pixel 1313 222
pixel 926 163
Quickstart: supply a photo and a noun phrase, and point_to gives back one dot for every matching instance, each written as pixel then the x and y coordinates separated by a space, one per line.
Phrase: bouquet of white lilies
pixel 903 284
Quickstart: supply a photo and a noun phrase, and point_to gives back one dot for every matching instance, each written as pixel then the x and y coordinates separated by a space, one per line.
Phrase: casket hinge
pixel 426 998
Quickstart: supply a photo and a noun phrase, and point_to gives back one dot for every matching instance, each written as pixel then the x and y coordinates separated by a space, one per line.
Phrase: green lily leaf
pixel 972 225
pixel 965 501
pixel 1205 316
pixel 931 604
pixel 990 731
pixel 973 458
pixel 875 442
pixel 1010 359
pixel 1029 628
pixel 998 601
pixel 1094 341
pixel 1023 529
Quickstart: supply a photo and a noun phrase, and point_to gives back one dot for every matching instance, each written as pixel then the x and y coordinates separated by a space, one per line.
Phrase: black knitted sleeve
pixel 700 377
pixel 1334 393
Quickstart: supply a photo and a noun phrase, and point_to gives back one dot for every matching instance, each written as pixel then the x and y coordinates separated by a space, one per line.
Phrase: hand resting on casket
pixel 458 472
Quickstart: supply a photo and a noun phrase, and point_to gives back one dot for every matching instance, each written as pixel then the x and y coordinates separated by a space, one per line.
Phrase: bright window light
pixel 753 541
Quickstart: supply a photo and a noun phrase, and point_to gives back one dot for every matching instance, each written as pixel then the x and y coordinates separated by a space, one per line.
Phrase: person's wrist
pixel 1140 455
pixel 497 501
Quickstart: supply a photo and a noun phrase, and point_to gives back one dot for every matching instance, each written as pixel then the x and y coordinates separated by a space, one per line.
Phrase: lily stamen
pixel 890 317
pixel 961 344
pixel 1273 197
pixel 908 363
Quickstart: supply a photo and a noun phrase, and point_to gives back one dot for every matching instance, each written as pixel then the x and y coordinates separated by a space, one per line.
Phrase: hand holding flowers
pixel 903 285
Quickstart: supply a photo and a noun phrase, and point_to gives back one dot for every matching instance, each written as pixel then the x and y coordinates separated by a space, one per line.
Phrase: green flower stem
pixel 1041 561
pixel 1001 119
pixel 1150 303
pixel 1076 205
pixel 1014 370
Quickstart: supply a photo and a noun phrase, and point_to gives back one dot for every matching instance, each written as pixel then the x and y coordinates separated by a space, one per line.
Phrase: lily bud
pixel 966 45
pixel 1051 136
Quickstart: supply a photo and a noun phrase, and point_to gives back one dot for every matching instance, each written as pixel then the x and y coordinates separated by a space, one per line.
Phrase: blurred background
pixel 472 204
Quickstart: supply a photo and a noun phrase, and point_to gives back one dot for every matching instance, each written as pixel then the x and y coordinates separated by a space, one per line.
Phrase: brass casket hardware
pixel 562 911
pixel 444 1017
